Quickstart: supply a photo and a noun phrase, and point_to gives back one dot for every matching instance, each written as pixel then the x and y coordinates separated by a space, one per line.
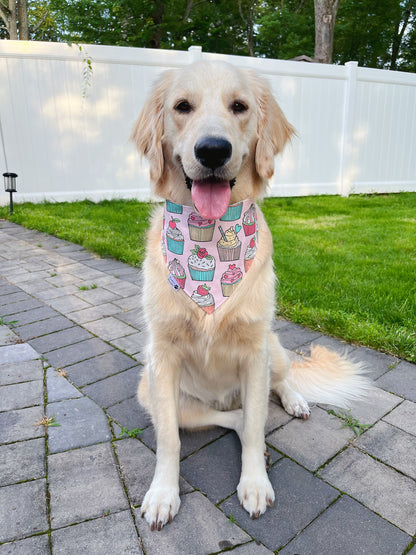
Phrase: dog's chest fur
pixel 212 347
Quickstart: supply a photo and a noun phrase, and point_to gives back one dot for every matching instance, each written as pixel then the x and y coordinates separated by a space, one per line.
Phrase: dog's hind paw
pixel 159 506
pixel 295 405
pixel 255 495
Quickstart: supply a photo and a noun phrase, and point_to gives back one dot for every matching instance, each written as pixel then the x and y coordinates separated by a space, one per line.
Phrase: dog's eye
pixel 183 107
pixel 237 107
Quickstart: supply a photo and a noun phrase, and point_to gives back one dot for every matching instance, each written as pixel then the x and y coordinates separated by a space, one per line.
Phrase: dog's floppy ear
pixel 147 133
pixel 272 127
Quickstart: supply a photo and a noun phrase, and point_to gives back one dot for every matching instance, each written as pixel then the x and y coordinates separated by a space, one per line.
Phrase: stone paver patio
pixel 71 348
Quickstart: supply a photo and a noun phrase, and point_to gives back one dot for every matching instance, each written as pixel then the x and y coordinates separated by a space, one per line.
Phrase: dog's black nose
pixel 213 152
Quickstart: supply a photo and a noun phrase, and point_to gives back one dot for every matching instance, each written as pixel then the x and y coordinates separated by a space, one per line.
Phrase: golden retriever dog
pixel 210 132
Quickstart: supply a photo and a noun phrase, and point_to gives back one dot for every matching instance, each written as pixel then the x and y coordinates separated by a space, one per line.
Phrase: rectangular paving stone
pixel 123 288
pixel 378 487
pixel 277 416
pixel 300 498
pixel 84 484
pixel 17 372
pixel 35 315
pixel 311 442
pixel 21 461
pixel 131 344
pixel 68 304
pixel 99 367
pixel 81 423
pixel 59 339
pixel 13 298
pixel 17 425
pixel 53 292
pixel 36 545
pixel 129 414
pixel 114 389
pixel 109 328
pixel 66 356
pixel 17 353
pixel 215 469
pixel 22 395
pixel 371 408
pixel 109 534
pixel 137 465
pixel 403 417
pixel 94 313
pixel 23 510
pixel 292 336
pixel 97 296
pixel 59 388
pixel 392 446
pixel 14 309
pixel 400 380
pixel 134 317
pixel 207 530
pixel 7 336
pixel 130 303
pixel 38 329
pixel 348 527
pixel 8 289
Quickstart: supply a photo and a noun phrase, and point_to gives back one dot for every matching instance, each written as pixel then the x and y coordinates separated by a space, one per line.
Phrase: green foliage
pixel 133 432
pixel 350 422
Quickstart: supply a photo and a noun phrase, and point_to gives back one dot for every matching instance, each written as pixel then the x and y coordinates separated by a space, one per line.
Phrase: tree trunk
pixel 22 16
pixel 13 20
pixel 158 14
pixel 325 14
pixel 399 32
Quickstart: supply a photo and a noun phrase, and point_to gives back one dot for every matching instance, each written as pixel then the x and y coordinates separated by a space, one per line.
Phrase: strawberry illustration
pixel 252 243
pixel 173 222
pixel 203 290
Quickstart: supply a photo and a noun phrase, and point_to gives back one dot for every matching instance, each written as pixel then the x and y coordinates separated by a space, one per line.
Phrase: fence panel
pixel 68 140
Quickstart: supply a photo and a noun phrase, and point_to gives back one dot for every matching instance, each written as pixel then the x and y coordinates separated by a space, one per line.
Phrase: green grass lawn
pixel 346 266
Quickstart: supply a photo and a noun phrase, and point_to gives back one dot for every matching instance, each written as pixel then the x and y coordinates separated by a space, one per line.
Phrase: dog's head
pixel 210 132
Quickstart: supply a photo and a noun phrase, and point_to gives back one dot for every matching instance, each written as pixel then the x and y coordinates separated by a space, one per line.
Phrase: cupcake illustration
pixel 174 237
pixel 250 254
pixel 200 229
pixel 230 279
pixel 229 246
pixel 249 221
pixel 201 265
pixel 233 212
pixel 178 272
pixel 204 299
pixel 173 207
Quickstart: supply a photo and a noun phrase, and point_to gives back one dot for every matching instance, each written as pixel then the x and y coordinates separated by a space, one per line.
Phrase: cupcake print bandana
pixel 207 259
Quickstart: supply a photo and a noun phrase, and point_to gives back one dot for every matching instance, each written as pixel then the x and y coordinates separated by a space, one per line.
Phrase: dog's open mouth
pixel 211 196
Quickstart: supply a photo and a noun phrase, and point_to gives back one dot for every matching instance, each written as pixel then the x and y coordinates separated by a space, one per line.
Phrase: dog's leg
pixel 161 502
pixel 254 491
pixel 292 401
pixel 195 414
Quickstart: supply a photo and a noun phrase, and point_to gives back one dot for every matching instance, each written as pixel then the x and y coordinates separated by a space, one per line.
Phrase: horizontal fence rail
pixel 64 129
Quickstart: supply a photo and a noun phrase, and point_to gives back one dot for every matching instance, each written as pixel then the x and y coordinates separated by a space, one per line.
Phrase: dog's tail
pixel 328 378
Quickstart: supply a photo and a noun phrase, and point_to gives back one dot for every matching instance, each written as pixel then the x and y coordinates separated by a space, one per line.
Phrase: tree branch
pixel 5 13
pixel 41 22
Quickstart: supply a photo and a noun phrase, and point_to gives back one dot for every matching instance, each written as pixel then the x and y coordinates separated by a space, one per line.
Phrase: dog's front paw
pixel 255 495
pixel 159 506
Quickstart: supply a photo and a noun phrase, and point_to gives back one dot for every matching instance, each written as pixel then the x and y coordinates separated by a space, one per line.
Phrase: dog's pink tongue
pixel 211 199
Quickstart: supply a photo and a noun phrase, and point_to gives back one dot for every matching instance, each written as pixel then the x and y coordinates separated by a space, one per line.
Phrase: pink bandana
pixel 209 258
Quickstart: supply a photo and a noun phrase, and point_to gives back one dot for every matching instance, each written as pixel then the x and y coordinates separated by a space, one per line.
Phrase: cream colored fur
pixel 217 369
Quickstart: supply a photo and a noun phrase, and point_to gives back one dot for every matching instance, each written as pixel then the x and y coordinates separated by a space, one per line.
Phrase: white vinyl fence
pixel 66 135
